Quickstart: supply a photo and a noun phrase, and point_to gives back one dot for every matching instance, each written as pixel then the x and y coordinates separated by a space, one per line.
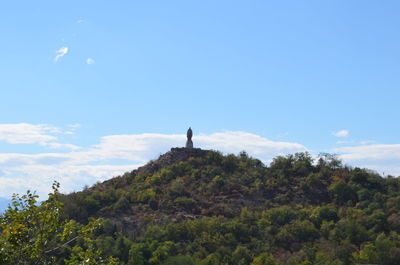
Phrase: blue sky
pixel 80 80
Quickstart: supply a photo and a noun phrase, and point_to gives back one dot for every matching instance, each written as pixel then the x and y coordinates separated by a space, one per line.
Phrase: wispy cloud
pixel 373 151
pixel 72 128
pixel 60 53
pixel 341 133
pixel 25 133
pixel 90 61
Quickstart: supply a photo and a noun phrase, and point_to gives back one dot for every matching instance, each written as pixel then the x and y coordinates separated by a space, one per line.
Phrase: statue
pixel 189 134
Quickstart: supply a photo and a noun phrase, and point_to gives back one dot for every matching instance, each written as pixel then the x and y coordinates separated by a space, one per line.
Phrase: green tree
pixel 263 259
pixel 136 255
pixel 33 233
pixel 341 192
pixel 241 256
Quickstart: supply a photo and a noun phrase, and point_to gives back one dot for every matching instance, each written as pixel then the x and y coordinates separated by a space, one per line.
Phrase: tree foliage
pixel 35 233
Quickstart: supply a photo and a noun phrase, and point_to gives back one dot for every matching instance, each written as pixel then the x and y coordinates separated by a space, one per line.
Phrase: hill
pixel 193 206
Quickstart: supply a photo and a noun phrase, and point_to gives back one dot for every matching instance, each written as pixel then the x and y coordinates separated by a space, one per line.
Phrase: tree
pixel 342 192
pixel 329 160
pixel 33 233
pixel 136 256
pixel 241 256
pixel 263 259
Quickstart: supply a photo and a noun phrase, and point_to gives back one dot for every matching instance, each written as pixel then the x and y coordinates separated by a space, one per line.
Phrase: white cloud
pixel 380 157
pixel 90 61
pixel 59 145
pixel 72 177
pixel 97 163
pixel 25 133
pixel 60 53
pixel 341 133
pixel 374 151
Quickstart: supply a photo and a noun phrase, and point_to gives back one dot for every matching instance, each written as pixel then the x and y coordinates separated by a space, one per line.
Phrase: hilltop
pixel 193 205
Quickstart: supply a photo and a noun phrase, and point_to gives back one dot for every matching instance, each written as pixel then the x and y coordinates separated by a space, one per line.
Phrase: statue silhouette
pixel 189 134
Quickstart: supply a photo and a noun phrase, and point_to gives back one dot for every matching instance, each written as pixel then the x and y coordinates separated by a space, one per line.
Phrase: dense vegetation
pixel 207 208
